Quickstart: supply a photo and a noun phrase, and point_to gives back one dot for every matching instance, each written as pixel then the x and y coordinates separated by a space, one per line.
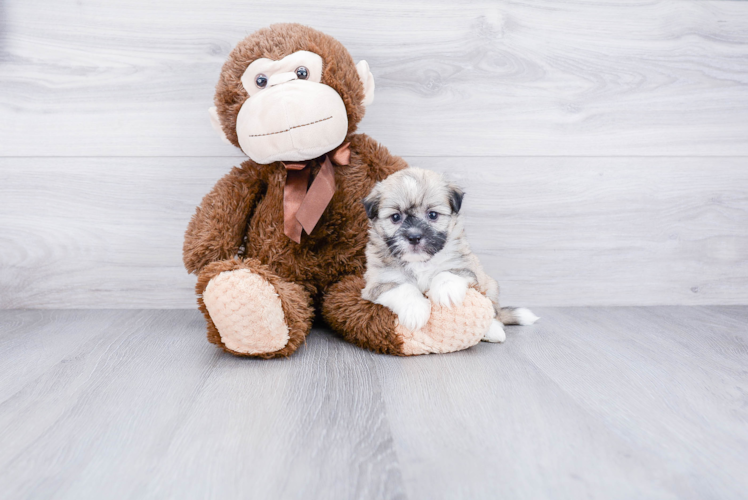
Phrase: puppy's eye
pixel 302 73
pixel 261 81
pixel 433 215
pixel 396 218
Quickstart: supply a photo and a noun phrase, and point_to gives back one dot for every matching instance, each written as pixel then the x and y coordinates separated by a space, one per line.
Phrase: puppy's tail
pixel 517 316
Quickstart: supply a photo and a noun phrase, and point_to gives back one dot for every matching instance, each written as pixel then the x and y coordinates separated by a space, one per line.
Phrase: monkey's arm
pixel 359 321
pixel 377 328
pixel 217 229
pixel 379 160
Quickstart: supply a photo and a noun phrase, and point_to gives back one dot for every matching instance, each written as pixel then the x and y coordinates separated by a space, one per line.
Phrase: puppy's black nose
pixel 414 239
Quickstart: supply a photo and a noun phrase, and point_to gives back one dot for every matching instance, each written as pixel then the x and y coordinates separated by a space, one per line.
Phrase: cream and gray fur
pixel 418 253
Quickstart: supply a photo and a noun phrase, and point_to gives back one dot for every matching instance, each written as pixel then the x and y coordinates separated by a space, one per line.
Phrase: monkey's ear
pixel 455 198
pixel 213 112
pixel 364 73
pixel 371 205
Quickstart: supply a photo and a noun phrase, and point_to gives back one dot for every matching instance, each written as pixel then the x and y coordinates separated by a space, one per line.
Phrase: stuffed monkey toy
pixel 282 237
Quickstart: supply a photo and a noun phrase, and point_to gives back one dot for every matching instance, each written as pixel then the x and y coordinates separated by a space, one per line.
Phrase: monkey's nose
pixel 279 78
pixel 414 239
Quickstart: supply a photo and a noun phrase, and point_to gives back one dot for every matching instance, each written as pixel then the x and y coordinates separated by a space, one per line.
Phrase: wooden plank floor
pixel 588 403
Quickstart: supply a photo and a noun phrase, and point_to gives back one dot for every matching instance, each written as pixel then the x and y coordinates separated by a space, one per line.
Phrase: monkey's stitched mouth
pixel 291 128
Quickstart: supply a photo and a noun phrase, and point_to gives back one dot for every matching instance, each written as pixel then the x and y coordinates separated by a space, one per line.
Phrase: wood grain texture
pixel 107 233
pixel 146 408
pixel 603 145
pixel 134 78
pixel 97 233
pixel 588 403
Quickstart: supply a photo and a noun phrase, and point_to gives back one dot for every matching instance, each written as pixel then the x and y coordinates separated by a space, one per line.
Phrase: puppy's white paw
pixel 414 314
pixel 495 332
pixel 412 308
pixel 448 289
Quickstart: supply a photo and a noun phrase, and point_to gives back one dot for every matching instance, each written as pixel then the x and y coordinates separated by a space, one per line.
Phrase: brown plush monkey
pixel 283 236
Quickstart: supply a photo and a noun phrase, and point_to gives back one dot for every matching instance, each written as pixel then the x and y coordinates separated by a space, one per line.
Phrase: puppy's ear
pixel 455 198
pixel 371 205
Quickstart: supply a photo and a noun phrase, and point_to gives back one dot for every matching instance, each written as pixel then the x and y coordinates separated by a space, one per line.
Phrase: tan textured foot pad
pixel 247 312
pixel 451 329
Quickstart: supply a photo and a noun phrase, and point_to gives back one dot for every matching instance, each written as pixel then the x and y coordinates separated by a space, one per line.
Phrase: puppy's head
pixel 414 211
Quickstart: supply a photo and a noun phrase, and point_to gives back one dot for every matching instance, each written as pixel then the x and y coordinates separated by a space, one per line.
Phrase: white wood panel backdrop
pixel 604 145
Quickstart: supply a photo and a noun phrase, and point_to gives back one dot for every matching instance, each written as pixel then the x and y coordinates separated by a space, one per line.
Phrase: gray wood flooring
pixel 588 403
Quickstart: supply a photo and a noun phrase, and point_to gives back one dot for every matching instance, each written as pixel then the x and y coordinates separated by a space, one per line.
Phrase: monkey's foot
pixel 450 329
pixel 247 312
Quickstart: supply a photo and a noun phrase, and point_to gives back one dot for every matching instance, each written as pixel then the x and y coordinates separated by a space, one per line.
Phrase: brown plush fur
pixel 243 216
pixel 295 301
pixel 239 224
pixel 252 198
pixel 276 42
pixel 359 321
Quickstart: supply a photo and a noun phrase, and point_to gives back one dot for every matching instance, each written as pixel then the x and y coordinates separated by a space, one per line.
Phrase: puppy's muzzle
pixel 414 237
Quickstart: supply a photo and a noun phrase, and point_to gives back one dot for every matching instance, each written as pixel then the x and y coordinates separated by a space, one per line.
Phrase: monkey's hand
pixel 218 227
pixel 412 308
pixel 448 289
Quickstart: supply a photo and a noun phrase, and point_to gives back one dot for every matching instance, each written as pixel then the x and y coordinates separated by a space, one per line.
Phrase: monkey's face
pixel 290 105
pixel 290 114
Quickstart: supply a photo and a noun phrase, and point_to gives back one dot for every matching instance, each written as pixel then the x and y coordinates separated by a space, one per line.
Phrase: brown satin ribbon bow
pixel 303 208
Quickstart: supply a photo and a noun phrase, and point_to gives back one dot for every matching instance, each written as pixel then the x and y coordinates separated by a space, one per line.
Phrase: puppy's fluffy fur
pixel 417 246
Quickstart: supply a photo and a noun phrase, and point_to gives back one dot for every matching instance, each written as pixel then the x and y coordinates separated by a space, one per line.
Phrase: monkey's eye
pixel 302 73
pixel 433 215
pixel 395 218
pixel 261 81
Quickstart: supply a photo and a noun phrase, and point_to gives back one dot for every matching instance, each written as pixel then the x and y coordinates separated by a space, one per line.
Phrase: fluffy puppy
pixel 417 246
